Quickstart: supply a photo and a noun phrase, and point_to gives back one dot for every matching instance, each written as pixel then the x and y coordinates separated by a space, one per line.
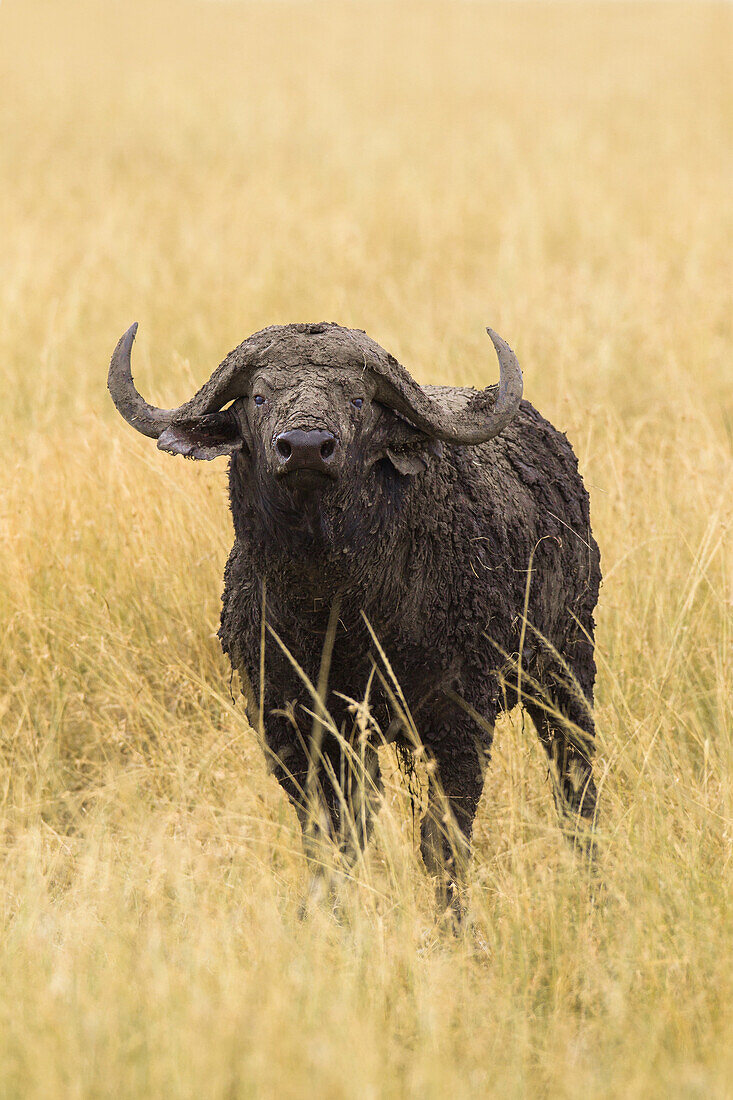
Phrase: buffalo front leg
pixel 456 771
pixel 335 797
pixel 338 820
pixel 290 763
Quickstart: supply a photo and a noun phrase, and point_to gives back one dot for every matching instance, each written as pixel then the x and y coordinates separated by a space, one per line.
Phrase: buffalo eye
pixel 357 402
pixel 259 399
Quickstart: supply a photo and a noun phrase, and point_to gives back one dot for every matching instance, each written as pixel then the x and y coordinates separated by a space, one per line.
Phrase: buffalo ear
pixel 205 437
pixel 407 462
pixel 408 449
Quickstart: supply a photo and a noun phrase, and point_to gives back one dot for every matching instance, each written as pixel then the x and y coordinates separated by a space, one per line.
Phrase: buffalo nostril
pixel 283 448
pixel 328 448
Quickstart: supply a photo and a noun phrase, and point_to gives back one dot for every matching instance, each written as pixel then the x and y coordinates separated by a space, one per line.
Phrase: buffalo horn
pixel 224 385
pixel 482 416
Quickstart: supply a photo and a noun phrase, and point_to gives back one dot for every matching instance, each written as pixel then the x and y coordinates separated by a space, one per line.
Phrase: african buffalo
pixel 426 551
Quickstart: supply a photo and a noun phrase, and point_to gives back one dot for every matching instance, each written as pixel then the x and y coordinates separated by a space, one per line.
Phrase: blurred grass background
pixel 560 171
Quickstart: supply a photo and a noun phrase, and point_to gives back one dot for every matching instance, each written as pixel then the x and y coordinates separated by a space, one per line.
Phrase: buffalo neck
pixel 351 541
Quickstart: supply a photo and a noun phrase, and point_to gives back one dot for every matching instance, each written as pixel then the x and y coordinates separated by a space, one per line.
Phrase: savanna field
pixel 560 172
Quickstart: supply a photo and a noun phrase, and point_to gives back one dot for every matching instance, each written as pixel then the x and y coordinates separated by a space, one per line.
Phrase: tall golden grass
pixel 559 171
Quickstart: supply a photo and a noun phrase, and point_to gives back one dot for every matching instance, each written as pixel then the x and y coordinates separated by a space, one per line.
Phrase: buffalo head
pixel 312 404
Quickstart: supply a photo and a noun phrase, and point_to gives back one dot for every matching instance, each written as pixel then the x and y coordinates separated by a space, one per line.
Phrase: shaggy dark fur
pixel 475 567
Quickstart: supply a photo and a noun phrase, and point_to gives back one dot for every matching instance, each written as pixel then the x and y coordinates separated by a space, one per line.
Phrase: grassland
pixel 560 172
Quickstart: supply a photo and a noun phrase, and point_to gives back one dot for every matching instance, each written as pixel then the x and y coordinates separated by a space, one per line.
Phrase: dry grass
pixel 560 172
